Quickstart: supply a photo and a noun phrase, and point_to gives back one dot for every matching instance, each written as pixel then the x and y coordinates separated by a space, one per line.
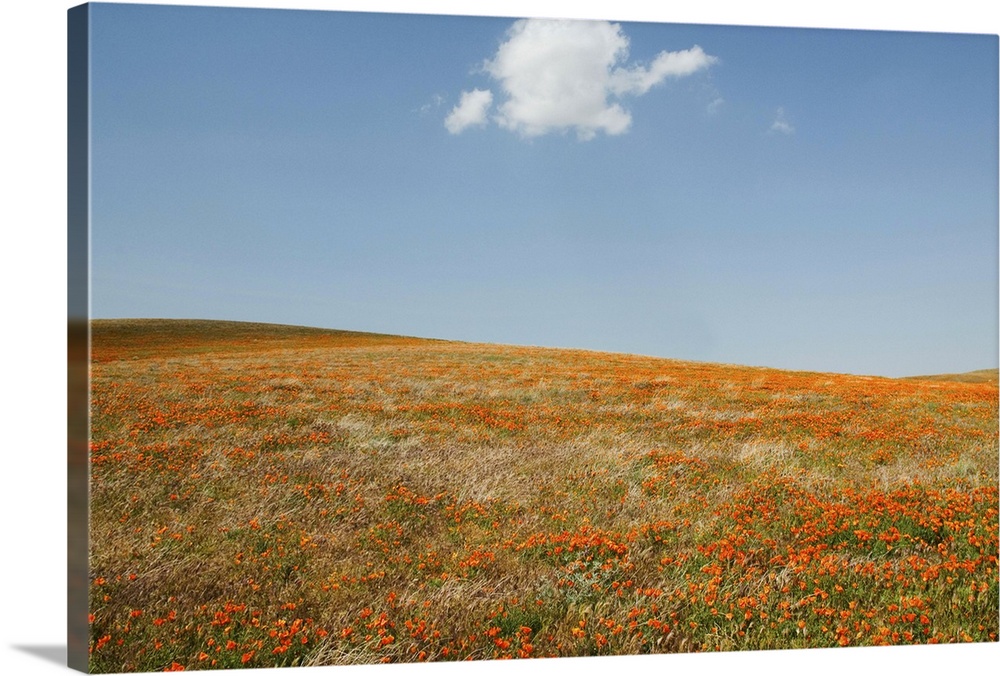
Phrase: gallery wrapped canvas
pixel 417 338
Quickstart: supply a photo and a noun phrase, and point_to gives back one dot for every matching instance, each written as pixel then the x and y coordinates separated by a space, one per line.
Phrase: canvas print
pixel 410 338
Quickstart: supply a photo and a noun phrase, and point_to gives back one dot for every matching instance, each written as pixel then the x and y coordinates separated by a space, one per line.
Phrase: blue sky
pixel 799 198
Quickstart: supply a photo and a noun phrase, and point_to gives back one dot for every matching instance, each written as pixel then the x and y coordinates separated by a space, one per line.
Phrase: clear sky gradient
pixel 799 198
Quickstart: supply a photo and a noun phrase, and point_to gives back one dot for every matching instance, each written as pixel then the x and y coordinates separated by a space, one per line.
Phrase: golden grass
pixel 268 495
pixel 981 376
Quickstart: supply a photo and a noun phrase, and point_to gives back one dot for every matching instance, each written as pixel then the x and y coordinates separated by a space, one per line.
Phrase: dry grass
pixel 269 495
pixel 981 376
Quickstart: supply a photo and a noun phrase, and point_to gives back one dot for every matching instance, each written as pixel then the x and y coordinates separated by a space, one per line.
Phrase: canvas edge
pixel 78 334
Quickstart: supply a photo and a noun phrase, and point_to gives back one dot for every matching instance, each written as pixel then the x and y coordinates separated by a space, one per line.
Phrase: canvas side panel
pixel 78 339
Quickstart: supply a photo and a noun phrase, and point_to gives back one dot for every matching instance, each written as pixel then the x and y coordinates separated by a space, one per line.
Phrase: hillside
pixel 149 337
pixel 981 376
pixel 266 496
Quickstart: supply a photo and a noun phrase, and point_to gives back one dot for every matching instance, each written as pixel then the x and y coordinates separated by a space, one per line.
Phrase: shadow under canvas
pixel 50 653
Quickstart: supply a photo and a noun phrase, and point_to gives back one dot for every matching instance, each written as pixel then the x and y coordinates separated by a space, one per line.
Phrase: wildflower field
pixel 267 496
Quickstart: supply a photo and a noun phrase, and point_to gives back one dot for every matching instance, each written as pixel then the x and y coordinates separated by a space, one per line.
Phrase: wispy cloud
pixel 435 102
pixel 639 79
pixel 562 75
pixel 470 111
pixel 781 125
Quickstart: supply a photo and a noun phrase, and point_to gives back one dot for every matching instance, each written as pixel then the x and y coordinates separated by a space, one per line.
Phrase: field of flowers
pixel 267 496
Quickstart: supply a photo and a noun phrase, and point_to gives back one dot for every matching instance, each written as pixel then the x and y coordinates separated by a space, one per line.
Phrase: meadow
pixel 267 496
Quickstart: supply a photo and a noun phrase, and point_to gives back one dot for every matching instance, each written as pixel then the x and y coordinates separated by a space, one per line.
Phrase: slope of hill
pixel 981 376
pixel 148 337
pixel 265 496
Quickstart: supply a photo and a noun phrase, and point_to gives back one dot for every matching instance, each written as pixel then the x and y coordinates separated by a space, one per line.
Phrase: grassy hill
pixel 981 376
pixel 150 337
pixel 266 496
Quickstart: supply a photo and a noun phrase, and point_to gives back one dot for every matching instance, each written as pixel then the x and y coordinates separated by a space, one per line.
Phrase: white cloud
pixel 560 75
pixel 781 124
pixel 470 111
pixel 714 106
pixel 639 80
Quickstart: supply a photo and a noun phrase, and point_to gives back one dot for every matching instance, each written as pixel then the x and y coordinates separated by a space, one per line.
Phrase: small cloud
pixel 714 106
pixel 435 102
pixel 562 75
pixel 781 125
pixel 470 111
pixel 638 80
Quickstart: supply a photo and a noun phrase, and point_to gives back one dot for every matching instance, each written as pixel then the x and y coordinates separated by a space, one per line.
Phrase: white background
pixel 33 312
